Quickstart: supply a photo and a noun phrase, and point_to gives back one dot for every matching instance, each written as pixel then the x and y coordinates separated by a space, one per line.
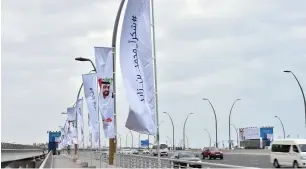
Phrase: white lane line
pixel 226 165
pixel 249 154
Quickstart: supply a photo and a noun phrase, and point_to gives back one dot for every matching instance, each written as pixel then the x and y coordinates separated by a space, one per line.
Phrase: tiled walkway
pixel 61 161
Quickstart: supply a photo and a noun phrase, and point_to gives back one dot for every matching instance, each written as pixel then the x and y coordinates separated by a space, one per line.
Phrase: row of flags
pixel 136 63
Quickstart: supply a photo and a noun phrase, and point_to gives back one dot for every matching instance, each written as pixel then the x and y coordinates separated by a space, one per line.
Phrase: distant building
pixel 256 137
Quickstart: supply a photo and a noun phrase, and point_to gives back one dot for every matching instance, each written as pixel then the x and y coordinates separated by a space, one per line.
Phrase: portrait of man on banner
pixel 106 94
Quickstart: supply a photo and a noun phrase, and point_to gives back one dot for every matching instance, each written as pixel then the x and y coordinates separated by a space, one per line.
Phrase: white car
pixel 288 152
pixel 163 150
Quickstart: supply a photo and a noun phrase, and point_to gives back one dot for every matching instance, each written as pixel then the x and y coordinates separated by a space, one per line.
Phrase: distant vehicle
pixel 135 151
pixel 288 152
pixel 145 152
pixel 212 153
pixel 186 156
pixel 163 150
pixel 126 151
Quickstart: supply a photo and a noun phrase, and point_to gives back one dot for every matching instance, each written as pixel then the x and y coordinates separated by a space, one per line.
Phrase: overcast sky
pixel 221 50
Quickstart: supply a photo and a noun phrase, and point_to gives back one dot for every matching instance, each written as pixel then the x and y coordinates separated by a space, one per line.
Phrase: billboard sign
pixel 265 133
pixel 251 133
pixel 144 143
pixel 54 135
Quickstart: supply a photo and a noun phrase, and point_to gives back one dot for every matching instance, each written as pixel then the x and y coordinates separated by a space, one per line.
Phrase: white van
pixel 163 149
pixel 288 152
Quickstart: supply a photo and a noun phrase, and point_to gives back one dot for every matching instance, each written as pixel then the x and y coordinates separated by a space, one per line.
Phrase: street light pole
pixel 216 122
pixel 139 142
pixel 236 134
pixel 120 140
pixel 126 137
pixel 282 126
pixel 78 96
pixel 288 71
pixel 187 141
pixel 184 129
pixel 113 141
pixel 229 124
pixel 209 137
pixel 155 140
pixel 86 60
pixel 132 139
pixel 169 139
pixel 173 145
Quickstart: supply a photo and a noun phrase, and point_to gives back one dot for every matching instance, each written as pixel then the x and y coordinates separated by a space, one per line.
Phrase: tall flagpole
pixel 99 117
pixel 155 80
pixel 83 125
pixel 113 141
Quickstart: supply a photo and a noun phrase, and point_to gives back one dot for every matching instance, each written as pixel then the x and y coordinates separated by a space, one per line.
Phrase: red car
pixel 212 153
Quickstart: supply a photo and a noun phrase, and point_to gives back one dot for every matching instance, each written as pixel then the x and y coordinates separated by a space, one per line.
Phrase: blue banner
pixel 53 135
pixel 144 143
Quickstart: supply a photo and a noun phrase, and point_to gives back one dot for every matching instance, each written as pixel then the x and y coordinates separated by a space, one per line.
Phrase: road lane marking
pixel 250 154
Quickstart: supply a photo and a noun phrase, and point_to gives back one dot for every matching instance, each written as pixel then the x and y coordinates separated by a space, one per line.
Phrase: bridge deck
pixel 60 161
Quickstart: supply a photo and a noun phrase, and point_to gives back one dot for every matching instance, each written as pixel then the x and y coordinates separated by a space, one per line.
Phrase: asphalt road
pixel 243 159
pixel 257 160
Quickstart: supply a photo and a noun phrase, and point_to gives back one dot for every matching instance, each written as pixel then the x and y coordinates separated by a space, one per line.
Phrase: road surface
pixel 256 159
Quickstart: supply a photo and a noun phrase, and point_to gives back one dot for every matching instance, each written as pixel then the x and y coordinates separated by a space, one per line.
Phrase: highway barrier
pixel 48 161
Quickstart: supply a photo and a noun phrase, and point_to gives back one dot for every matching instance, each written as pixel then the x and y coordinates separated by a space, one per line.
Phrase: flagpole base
pixel 112 151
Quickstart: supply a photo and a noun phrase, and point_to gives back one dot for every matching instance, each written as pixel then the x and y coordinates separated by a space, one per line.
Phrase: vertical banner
pixel 91 95
pixel 71 112
pixel 90 131
pixel 104 65
pixel 71 115
pixel 137 67
pixel 69 134
pixel 79 109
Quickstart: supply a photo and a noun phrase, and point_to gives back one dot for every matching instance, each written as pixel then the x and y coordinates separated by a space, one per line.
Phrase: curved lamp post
pixel 187 141
pixel 209 137
pixel 229 124
pixel 288 71
pixel 78 96
pixel 169 139
pixel 184 129
pixel 216 121
pixel 282 126
pixel 155 141
pixel 120 139
pixel 132 139
pixel 173 145
pixel 126 138
pixel 236 134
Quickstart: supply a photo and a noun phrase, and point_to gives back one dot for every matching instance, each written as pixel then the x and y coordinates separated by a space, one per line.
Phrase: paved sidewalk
pixel 94 160
pixel 61 161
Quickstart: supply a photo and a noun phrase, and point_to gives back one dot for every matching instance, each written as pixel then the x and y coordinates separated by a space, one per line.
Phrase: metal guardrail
pixel 100 160
pixel 139 161
pixel 48 161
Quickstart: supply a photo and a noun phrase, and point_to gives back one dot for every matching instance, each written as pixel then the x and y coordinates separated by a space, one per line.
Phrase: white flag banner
pixel 91 95
pixel 71 112
pixel 89 140
pixel 104 65
pixel 79 109
pixel 137 67
pixel 90 132
pixel 69 137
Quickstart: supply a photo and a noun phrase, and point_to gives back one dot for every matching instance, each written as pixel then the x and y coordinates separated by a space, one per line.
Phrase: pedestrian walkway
pixel 62 161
